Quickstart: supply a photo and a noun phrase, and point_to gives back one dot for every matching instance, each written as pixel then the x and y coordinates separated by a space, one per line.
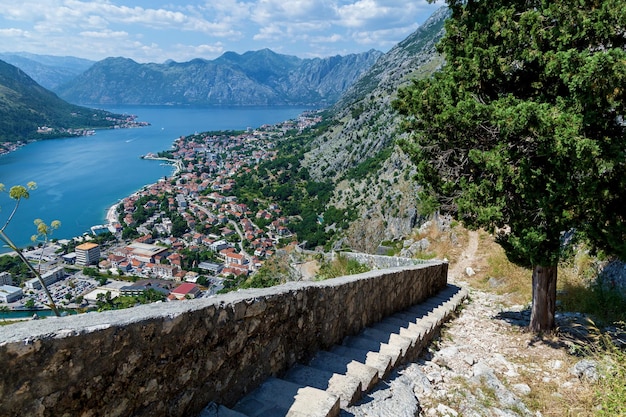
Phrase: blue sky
pixel 158 30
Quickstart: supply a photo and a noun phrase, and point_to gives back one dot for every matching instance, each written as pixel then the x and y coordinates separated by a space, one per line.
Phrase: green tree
pixel 15 267
pixel 179 225
pixel 91 272
pixel 522 130
pixel 129 233
pixel 105 301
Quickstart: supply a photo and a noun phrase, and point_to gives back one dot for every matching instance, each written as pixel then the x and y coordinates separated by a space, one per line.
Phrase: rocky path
pixel 484 364
pixel 466 260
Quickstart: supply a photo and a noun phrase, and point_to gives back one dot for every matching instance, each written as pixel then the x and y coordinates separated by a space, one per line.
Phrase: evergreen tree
pixel 522 131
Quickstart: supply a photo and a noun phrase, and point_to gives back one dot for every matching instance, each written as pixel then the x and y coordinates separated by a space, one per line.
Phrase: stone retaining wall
pixel 172 359
pixel 384 262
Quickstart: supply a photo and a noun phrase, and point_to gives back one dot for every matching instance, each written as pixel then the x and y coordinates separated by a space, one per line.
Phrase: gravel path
pixel 484 364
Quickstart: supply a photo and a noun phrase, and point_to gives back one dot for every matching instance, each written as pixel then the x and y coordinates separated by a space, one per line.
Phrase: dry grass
pixel 444 243
pixel 502 276
pixel 551 394
pixel 553 401
pixel 611 389
pixel 494 272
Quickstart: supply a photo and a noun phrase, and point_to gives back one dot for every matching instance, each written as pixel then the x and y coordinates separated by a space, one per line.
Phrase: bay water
pixel 78 179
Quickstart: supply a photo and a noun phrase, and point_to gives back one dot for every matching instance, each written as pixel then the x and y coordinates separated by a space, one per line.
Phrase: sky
pixel 159 30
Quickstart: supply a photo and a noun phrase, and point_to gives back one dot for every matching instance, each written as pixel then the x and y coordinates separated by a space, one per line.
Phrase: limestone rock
pixel 586 370
pixel 521 389
pixel 444 410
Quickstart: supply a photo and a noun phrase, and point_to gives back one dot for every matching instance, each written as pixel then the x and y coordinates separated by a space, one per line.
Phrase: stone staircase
pixel 338 377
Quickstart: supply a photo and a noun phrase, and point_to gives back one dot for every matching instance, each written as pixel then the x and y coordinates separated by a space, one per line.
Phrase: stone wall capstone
pixel 385 262
pixel 172 359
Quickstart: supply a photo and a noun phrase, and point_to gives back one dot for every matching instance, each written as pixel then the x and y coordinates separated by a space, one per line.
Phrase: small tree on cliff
pixel 522 131
pixel 19 193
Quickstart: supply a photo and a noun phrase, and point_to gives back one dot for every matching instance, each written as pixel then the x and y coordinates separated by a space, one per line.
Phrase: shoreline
pixel 129 122
pixel 178 164
pixel 111 216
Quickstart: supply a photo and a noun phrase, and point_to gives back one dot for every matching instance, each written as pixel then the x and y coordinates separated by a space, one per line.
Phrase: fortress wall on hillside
pixel 172 359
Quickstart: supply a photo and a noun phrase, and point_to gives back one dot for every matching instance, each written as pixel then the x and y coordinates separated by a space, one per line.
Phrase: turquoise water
pixel 78 179
pixel 27 314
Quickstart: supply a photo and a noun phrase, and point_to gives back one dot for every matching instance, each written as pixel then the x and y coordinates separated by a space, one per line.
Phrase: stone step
pixel 380 362
pixel 277 397
pixel 420 312
pixel 428 322
pixel 346 387
pixel 312 402
pixel 392 338
pixel 413 325
pixel 337 378
pixel 409 329
pixel 341 364
pixel 371 345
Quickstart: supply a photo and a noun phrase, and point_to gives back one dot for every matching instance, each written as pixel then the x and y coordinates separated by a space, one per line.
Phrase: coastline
pixel 178 164
pixel 111 216
pixel 127 121
pixel 108 214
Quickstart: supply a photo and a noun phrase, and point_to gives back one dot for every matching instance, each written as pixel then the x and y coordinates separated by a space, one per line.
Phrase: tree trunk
pixel 544 298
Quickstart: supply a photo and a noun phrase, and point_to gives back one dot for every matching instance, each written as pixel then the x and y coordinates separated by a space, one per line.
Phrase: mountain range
pixel 49 71
pixel 258 78
pixel 254 78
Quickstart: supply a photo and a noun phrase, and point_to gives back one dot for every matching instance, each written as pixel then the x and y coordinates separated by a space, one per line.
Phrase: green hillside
pixel 25 106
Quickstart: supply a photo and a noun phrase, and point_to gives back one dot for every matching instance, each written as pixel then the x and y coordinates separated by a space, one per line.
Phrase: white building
pixel 219 245
pixel 49 278
pixel 6 278
pixel 145 252
pixel 8 293
pixel 165 271
pixel 87 254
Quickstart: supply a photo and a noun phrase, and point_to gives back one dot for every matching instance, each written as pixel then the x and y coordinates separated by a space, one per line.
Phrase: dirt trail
pixel 467 258
pixel 484 364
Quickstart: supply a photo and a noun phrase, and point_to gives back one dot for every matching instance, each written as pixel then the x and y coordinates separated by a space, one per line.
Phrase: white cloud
pixel 269 32
pixel 334 38
pixel 96 22
pixel 18 11
pixel 12 33
pixel 223 10
pixel 382 39
pixel 377 14
pixel 189 52
pixel 294 11
pixel 155 30
pixel 105 34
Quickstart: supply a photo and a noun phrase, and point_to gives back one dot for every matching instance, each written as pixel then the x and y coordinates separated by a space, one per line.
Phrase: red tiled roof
pixel 185 288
